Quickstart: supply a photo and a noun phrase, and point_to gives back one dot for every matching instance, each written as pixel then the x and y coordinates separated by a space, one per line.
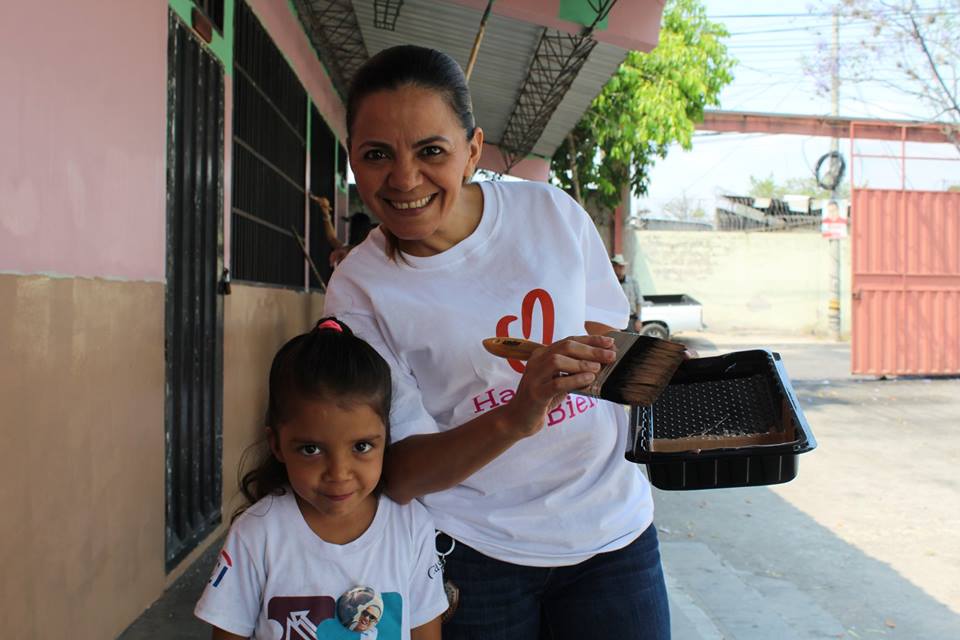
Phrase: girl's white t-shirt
pixel 276 579
pixel 536 268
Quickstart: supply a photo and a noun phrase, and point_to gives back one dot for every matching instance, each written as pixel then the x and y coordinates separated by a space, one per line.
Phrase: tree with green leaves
pixel 654 100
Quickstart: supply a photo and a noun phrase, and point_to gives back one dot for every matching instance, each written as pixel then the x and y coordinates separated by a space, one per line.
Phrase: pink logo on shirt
pixel 526 312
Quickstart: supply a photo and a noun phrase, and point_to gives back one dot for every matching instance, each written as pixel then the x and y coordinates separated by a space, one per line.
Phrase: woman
pixel 552 528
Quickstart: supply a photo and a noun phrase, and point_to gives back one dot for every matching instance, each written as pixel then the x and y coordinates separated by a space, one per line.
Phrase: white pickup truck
pixel 662 316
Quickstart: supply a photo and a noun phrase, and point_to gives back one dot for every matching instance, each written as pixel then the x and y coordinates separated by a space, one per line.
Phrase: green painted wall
pixel 222 44
pixel 581 12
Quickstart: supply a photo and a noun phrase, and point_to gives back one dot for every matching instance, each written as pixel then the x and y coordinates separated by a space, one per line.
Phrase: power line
pixel 800 45
pixel 809 14
pixel 826 14
pixel 851 22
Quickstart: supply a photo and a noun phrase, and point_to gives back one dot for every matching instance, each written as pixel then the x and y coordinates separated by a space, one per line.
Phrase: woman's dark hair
pixel 329 363
pixel 409 64
pixel 418 66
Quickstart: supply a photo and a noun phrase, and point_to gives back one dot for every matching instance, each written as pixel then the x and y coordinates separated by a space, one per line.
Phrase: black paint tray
pixel 725 421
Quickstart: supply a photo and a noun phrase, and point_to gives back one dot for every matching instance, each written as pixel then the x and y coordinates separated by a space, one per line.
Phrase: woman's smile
pixel 411 206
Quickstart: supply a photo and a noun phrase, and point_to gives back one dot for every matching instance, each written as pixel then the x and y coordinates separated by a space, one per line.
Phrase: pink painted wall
pixel 632 24
pixel 492 159
pixel 83 120
pixel 83 125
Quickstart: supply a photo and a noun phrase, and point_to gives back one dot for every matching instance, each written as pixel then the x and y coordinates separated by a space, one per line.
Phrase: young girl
pixel 320 553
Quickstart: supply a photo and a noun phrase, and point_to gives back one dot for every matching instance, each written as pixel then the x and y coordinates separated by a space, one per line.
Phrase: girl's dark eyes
pixel 363 447
pixel 312 450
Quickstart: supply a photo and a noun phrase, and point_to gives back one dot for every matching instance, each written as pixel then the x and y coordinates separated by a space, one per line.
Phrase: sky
pixel 770 39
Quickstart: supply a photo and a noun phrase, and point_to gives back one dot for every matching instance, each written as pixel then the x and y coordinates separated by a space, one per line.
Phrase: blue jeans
pixel 620 594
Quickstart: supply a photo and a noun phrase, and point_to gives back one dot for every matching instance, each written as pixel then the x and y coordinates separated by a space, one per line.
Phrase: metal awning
pixel 534 76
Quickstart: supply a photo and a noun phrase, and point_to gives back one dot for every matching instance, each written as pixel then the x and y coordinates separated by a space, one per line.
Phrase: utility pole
pixel 835 269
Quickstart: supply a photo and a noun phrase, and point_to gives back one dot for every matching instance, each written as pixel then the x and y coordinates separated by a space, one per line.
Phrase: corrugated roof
pixel 502 62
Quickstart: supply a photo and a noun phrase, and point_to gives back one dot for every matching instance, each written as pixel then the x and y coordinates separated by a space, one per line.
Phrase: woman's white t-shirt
pixel 536 268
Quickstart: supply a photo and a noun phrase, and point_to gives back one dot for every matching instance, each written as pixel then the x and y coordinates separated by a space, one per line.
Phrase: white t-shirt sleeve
pixel 407 414
pixel 606 302
pixel 231 599
pixel 427 597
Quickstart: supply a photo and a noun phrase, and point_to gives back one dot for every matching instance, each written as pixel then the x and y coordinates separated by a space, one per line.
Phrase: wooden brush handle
pixel 516 348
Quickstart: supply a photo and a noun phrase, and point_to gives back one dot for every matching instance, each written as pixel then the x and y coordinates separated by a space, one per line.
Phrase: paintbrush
pixel 642 370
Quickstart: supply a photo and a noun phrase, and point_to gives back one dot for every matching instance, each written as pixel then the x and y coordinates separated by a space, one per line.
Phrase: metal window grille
pixel 194 311
pixel 322 183
pixel 213 9
pixel 269 159
pixel 335 33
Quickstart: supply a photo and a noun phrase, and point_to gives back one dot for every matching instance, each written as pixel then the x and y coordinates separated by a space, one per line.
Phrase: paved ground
pixel 864 543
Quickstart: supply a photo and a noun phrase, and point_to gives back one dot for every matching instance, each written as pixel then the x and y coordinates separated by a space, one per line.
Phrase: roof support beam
pixel 335 33
pixel 555 65
pixel 826 126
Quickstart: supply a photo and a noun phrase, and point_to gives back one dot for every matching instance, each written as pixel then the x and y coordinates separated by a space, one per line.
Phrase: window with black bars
pixel 193 346
pixel 213 9
pixel 269 159
pixel 323 157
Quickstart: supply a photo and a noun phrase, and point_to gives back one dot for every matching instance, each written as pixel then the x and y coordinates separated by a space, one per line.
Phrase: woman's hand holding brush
pixel 551 373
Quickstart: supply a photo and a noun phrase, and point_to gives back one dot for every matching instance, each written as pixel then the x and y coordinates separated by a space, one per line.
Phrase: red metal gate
pixel 906 282
pixel 905 256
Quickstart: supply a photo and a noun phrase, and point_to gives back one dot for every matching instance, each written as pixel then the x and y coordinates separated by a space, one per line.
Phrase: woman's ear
pixel 475 147
pixel 273 439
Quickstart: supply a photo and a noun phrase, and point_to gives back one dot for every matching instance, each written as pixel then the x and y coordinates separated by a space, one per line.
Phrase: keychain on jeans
pixel 452 590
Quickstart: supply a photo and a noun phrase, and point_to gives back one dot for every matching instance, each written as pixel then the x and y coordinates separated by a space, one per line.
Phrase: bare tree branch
pixel 951 99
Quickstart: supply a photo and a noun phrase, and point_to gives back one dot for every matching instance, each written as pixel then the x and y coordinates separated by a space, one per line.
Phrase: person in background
pixel 360 226
pixel 338 250
pixel 630 288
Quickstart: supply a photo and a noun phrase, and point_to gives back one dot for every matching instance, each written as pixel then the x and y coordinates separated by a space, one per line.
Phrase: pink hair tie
pixel 330 324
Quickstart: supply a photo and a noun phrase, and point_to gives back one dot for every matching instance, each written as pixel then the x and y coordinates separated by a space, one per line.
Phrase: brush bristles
pixel 644 371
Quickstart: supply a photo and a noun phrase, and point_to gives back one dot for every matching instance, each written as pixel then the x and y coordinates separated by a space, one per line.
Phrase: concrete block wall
pixel 760 281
